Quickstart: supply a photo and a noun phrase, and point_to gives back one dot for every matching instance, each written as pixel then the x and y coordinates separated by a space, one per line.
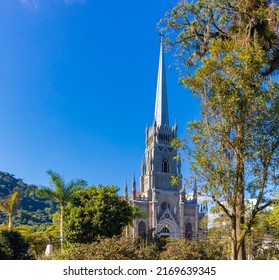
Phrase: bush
pixel 13 246
pixel 114 248
pixel 148 248
pixel 181 249
pixel 269 251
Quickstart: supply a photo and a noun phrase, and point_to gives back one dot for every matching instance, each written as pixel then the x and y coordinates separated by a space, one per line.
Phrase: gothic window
pixel 142 228
pixel 188 231
pixel 164 205
pixel 165 166
pixel 165 230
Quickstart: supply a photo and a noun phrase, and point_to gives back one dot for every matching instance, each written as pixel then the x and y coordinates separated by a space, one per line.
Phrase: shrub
pixel 181 249
pixel 114 248
pixel 13 246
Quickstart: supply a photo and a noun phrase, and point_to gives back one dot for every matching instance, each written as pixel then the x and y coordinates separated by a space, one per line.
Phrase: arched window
pixel 142 228
pixel 165 230
pixel 165 166
pixel 165 205
pixel 188 231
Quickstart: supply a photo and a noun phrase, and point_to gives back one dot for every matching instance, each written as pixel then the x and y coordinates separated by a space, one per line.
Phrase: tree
pixel 229 52
pixel 9 205
pixel 96 211
pixel 218 233
pixel 32 209
pixel 61 192
pixel 13 246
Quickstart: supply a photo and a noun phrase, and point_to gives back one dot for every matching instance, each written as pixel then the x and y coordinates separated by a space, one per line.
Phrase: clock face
pixel 167 216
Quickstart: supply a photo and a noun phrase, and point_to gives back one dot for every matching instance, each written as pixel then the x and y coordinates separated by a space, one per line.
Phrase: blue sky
pixel 77 87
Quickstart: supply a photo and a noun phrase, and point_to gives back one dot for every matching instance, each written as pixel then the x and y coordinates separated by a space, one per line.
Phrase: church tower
pixel 160 164
pixel 168 212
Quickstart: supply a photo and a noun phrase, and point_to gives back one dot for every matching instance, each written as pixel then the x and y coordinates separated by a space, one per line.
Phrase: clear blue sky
pixel 77 87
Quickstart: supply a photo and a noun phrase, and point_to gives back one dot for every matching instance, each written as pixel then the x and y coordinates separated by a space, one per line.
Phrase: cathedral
pixel 168 213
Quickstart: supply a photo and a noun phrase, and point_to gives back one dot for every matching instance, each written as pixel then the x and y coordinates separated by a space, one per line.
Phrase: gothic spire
pixel 161 106
pixel 134 190
pixel 142 167
pixel 195 193
pixel 125 190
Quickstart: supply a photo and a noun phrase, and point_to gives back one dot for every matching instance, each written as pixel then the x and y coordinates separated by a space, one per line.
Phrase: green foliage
pixel 147 251
pixel 61 192
pixel 13 246
pixel 8 183
pixel 180 249
pixel 269 251
pixel 150 246
pixel 191 26
pixel 229 51
pixel 37 237
pixel 114 248
pixel 9 205
pixel 96 211
pixel 32 209
pixel 273 218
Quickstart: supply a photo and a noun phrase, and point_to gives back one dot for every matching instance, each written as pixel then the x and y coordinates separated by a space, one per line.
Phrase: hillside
pixel 32 210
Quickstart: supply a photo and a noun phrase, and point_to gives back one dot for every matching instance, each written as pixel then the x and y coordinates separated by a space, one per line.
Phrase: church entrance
pixel 165 232
pixel 168 229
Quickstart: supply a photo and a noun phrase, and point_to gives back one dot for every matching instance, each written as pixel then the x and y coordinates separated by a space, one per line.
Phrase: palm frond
pixel 137 213
pixel 60 191
pixel 56 181
pixel 11 202
pixel 46 192
pixel 75 185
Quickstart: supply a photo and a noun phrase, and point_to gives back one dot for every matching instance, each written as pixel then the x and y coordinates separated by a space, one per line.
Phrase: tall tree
pixel 229 52
pixel 9 205
pixel 96 211
pixel 62 193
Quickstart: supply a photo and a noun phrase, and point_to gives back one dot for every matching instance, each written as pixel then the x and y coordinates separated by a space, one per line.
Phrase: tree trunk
pixel 238 242
pixel 61 225
pixel 10 224
pixel 238 248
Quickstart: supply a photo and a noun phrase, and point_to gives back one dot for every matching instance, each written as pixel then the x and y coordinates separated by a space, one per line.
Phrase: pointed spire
pixel 142 167
pixel 134 190
pixel 175 128
pixel 179 164
pixel 146 130
pixel 161 106
pixel 125 190
pixel 195 193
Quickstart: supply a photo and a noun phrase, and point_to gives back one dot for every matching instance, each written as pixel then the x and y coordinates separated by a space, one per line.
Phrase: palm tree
pixel 136 214
pixel 9 205
pixel 61 192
